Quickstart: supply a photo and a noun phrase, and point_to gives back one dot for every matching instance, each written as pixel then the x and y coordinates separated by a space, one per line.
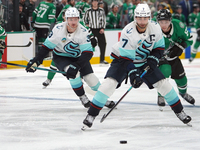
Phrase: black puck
pixel 123 142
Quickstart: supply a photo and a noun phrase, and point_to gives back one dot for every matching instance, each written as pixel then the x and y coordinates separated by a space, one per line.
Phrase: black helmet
pixel 164 14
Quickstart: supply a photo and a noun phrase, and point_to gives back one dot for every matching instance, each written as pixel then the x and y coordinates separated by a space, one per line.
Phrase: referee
pixel 95 19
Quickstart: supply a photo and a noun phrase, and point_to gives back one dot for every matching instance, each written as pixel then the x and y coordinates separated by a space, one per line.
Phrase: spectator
pixel 95 19
pixel 104 5
pixel 43 17
pixel 71 3
pixel 186 8
pixel 113 18
pixel 159 7
pixel 124 16
pixel 166 5
pixel 131 10
pixel 178 14
pixel 173 4
pixel 25 6
pixel 192 16
pixel 24 25
pixel 60 7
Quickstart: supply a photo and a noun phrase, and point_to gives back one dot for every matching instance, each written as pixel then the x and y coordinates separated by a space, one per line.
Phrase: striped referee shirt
pixel 95 18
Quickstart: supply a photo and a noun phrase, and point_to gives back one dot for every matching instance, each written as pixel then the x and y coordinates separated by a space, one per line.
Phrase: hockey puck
pixel 123 142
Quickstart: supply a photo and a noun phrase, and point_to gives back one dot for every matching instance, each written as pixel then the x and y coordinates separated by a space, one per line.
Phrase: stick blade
pixel 103 118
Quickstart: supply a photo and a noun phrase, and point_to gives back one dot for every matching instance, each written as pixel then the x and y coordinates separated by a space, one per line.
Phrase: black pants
pixel 101 42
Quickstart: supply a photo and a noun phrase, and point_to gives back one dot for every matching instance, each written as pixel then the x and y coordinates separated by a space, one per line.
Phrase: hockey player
pixel 177 38
pixel 197 42
pixel 2 41
pixel 141 45
pixel 72 51
pixel 43 16
pixel 51 75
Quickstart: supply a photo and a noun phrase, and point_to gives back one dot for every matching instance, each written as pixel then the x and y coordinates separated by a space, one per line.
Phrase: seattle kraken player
pixel 72 50
pixel 141 45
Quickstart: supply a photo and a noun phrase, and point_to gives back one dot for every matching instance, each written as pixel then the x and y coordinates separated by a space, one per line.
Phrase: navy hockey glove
pixel 135 79
pixel 2 44
pixel 93 41
pixel 177 49
pixel 31 64
pixel 151 63
pixel 72 71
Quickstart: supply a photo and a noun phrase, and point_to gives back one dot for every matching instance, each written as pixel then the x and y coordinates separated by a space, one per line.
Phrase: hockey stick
pixel 44 69
pixel 106 115
pixel 27 45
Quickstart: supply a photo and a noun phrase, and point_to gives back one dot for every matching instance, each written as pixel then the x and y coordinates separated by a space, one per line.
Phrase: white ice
pixel 32 118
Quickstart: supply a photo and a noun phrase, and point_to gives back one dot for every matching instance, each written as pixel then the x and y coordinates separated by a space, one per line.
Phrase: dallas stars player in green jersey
pixel 43 16
pixel 177 38
pixel 113 18
pixel 192 16
pixel 2 41
pixel 197 43
pixel 82 6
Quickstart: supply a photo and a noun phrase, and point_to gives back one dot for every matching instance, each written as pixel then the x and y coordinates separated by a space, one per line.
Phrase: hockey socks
pixel 182 84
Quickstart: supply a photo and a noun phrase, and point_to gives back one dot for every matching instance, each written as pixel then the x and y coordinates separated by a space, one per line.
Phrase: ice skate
pixel 110 104
pixel 188 98
pixel 85 101
pixel 87 122
pixel 191 59
pixel 161 102
pixel 184 118
pixel 46 83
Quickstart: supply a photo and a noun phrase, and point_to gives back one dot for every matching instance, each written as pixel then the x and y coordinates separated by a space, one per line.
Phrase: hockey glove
pixel 72 70
pixel 151 63
pixel 93 41
pixel 135 79
pixel 2 44
pixel 177 49
pixel 31 64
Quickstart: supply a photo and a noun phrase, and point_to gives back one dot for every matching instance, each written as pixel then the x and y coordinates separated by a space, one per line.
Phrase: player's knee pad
pixel 108 86
pixel 163 87
pixel 92 81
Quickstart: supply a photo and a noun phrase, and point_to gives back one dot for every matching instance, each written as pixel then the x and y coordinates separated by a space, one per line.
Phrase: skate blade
pixel 160 108
pixel 189 124
pixel 84 127
pixel 44 87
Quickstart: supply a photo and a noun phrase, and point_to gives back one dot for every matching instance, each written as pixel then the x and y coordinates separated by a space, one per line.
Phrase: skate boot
pixel 188 98
pixel 110 104
pixel 191 59
pixel 161 102
pixel 87 122
pixel 46 83
pixel 184 118
pixel 85 101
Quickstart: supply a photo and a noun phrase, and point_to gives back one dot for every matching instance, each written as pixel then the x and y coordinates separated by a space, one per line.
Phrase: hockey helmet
pixel 142 10
pixel 71 12
pixel 164 14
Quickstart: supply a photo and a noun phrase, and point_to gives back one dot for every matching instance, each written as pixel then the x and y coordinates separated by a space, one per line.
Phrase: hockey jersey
pixel 137 46
pixel 68 44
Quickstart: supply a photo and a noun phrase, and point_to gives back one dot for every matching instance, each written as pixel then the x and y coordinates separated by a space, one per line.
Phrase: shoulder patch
pixel 181 25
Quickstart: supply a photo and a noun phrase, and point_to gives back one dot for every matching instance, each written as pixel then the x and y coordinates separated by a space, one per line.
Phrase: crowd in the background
pixel 118 13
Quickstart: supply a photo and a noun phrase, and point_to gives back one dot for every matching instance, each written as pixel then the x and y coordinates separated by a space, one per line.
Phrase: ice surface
pixel 32 118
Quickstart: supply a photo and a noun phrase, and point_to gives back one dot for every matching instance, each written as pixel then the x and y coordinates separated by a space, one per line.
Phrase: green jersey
pixel 112 20
pixel 180 17
pixel 44 15
pixel 178 34
pixel 191 19
pixel 82 7
pixel 197 21
pixel 60 16
pixel 131 12
pixel 2 33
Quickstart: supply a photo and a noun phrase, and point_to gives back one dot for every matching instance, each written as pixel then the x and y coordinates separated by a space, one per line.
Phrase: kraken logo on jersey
pixel 142 51
pixel 72 49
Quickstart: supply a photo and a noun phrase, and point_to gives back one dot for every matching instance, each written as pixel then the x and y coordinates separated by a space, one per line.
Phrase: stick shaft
pixel 27 45
pixel 105 115
pixel 44 69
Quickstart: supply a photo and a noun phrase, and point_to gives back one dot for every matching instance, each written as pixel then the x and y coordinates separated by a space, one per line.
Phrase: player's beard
pixel 141 27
